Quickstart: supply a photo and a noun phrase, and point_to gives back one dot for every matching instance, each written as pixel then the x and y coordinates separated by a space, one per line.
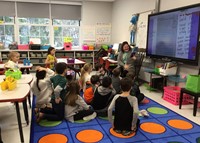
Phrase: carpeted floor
pixel 162 126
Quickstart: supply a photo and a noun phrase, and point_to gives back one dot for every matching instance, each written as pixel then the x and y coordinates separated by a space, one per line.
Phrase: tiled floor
pixel 9 126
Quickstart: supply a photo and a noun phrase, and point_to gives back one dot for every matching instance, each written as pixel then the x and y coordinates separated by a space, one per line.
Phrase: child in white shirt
pixel 13 61
pixel 41 86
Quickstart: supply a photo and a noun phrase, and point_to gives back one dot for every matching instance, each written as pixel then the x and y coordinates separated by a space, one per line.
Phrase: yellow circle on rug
pixel 153 128
pixel 180 124
pixel 53 138
pixel 46 123
pixel 89 136
pixel 120 135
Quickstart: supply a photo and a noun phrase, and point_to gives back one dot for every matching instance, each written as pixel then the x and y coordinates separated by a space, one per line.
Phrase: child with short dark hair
pixel 103 96
pixel 126 110
pixel 57 99
pixel 89 91
pixel 75 106
pixel 99 70
pixel 135 91
pixel 116 80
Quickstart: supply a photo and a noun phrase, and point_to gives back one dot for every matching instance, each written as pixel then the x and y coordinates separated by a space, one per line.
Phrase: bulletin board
pixel 141 32
pixel 99 33
pixel 88 33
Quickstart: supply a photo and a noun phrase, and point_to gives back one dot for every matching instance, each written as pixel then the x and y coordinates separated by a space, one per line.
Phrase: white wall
pixel 171 4
pixel 96 12
pixel 122 14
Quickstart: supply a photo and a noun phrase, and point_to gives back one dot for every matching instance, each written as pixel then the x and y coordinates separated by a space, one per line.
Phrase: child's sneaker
pixel 90 117
pixel 126 133
pixel 117 131
pixel 144 113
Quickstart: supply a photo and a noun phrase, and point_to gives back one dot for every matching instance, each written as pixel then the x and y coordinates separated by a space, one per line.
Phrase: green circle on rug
pixel 81 121
pixel 157 110
pixel 46 123
pixel 105 118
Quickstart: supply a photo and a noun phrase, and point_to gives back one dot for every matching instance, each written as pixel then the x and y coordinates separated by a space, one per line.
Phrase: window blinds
pixel 7 8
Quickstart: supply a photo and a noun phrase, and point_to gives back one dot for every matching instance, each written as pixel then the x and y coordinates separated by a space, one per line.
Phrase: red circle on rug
pixel 53 138
pixel 120 135
pixel 89 136
pixel 180 124
pixel 152 128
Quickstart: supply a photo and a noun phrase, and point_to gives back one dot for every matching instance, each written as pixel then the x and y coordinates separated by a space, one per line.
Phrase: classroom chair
pixel 195 100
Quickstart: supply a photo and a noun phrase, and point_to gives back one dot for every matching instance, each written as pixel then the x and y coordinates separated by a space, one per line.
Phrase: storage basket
pixel 85 47
pixel 23 47
pixel 12 85
pixel 70 60
pixel 45 47
pixel 4 85
pixel 15 74
pixel 172 95
pixel 67 45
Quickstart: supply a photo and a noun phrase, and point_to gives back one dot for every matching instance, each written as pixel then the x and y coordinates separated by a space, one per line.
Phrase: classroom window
pixel 6 30
pixel 66 29
pixel 34 28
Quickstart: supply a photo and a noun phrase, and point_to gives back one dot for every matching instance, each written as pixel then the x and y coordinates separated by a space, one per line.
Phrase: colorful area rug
pixel 162 126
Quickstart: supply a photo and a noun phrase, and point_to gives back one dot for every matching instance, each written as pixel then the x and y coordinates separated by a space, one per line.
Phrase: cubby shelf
pixel 37 57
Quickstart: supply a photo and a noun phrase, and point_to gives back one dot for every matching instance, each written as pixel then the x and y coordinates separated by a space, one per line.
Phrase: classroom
pixel 78 30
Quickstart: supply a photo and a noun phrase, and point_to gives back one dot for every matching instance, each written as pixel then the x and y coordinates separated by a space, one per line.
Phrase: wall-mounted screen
pixel 174 34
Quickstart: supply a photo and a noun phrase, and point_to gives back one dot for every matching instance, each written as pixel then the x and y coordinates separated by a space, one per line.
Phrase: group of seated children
pixel 58 96
pixel 111 96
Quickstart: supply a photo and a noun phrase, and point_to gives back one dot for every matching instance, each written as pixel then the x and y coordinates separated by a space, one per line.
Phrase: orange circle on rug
pixel 145 101
pixel 89 136
pixel 120 135
pixel 180 124
pixel 152 128
pixel 53 138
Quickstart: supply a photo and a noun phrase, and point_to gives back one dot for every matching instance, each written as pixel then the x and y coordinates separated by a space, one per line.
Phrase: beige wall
pixel 122 14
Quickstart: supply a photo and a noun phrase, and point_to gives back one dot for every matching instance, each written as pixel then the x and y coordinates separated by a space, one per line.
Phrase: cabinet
pixel 37 57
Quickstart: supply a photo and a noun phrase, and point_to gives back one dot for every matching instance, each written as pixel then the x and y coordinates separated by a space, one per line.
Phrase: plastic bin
pixel 70 60
pixel 45 47
pixel 67 46
pixel 172 95
pixel 23 47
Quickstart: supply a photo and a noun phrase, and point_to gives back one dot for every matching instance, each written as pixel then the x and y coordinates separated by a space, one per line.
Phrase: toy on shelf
pixel 26 62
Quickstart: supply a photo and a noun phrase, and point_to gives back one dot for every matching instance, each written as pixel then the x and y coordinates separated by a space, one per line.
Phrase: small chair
pixel 141 54
pixel 2 71
pixel 195 95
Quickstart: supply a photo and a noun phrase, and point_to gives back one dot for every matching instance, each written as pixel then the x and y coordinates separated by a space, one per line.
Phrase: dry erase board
pixel 141 32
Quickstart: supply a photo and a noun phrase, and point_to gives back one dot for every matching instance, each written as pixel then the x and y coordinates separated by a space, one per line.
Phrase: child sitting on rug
pixel 85 76
pixel 103 95
pixel 89 91
pixel 99 70
pixel 135 91
pixel 126 110
pixel 41 87
pixel 75 106
pixel 116 80
pixel 59 82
